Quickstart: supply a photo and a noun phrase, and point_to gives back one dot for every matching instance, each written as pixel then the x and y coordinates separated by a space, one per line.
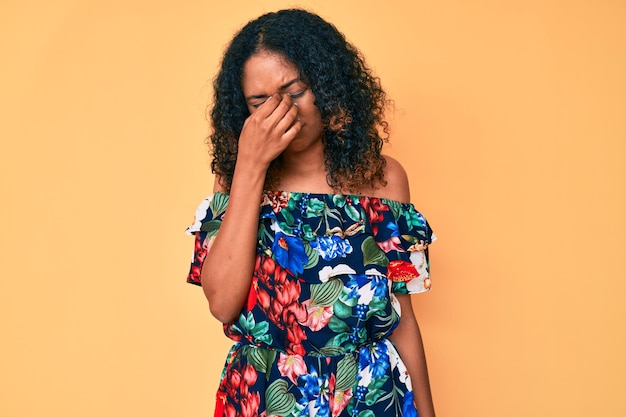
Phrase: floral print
pixel 332 247
pixel 312 337
pixel 289 252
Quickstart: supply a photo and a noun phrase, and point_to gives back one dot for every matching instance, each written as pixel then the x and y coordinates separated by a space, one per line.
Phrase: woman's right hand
pixel 229 265
pixel 268 131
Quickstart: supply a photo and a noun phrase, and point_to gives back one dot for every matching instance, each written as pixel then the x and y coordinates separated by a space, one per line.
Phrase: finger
pixel 281 110
pixel 288 119
pixel 292 131
pixel 268 106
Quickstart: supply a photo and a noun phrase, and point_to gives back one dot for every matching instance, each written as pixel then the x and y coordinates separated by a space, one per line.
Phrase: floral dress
pixel 312 337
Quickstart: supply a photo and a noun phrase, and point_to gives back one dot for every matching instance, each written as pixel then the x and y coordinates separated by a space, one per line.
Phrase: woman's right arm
pixel 229 265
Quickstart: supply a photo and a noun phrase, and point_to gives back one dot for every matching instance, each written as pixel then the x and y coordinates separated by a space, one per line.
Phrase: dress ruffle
pixel 397 228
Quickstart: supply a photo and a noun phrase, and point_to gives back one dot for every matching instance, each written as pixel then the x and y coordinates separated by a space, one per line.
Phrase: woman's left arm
pixel 408 341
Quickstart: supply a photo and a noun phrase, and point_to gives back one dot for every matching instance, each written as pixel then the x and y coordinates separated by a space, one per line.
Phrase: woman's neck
pixel 304 172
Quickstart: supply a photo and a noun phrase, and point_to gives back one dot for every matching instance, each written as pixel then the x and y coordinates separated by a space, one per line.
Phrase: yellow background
pixel 510 120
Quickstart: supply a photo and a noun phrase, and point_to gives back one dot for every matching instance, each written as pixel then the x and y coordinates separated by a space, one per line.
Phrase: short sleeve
pixel 205 227
pixel 404 235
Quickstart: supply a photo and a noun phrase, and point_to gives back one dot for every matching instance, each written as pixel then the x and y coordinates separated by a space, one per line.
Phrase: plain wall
pixel 510 120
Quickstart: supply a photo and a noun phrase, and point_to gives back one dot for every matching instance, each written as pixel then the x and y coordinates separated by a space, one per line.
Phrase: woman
pixel 309 247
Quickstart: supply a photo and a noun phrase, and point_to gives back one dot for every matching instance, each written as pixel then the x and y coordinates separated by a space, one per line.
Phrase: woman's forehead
pixel 265 68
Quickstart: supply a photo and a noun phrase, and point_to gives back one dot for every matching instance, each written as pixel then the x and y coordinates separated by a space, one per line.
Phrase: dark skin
pixel 285 121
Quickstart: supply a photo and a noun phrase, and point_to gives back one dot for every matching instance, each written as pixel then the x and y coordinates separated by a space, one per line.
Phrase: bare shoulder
pixel 397 187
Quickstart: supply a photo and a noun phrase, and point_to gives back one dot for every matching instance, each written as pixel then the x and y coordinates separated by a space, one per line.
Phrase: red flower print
pixel 317 316
pixel 263 298
pixel 230 410
pixel 277 200
pixel 200 251
pixel 296 349
pixel 295 336
pixel 219 404
pixel 249 376
pixel 235 393
pixel 270 278
pixel 340 401
pixel 393 243
pixel 277 293
pixel 291 366
pixel 252 294
pixel 401 271
pixel 194 274
pixel 250 405
pixel 374 209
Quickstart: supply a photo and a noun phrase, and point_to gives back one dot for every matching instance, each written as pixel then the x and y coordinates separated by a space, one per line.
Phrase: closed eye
pixel 298 94
pixel 257 105
pixel 295 95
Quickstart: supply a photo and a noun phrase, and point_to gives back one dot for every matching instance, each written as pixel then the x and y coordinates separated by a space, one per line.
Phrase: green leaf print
pixel 341 339
pixel 395 207
pixel 339 200
pixel 337 325
pixel 366 413
pixel 353 213
pixel 261 358
pixel 413 219
pixel 260 329
pixel 307 233
pixel 329 351
pixel 293 201
pixel 211 227
pixel 266 338
pixel 257 330
pixel 348 298
pixel 334 214
pixel 279 401
pixel 341 310
pixel 377 383
pixel 375 306
pixel 314 208
pixel 326 294
pixel 372 254
pixel 312 255
pixel 347 370
pixel 287 216
pixel 361 334
pixel 285 227
pixel 246 322
pixel 219 203
pixel 372 396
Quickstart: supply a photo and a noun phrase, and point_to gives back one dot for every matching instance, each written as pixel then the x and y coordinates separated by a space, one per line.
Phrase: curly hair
pixel 349 97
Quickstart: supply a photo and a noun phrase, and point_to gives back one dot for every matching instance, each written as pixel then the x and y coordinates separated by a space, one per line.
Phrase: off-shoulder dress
pixel 312 337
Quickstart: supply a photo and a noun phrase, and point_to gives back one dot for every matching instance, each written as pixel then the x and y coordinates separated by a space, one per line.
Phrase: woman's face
pixel 266 74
